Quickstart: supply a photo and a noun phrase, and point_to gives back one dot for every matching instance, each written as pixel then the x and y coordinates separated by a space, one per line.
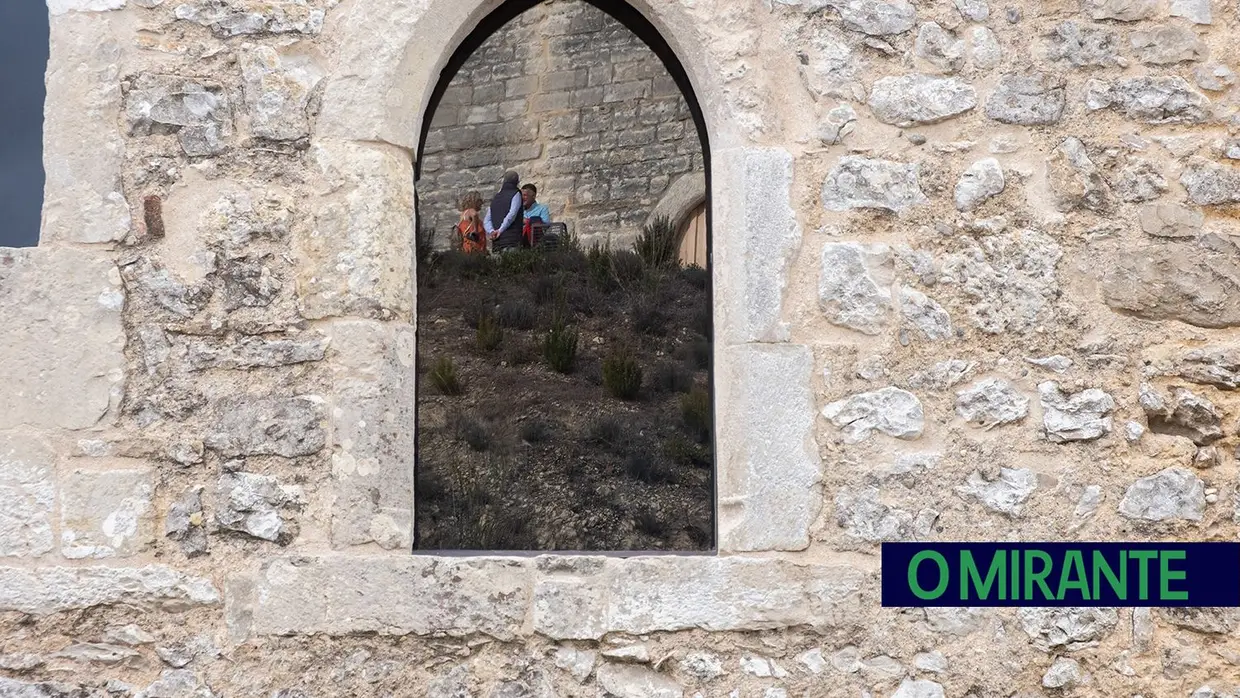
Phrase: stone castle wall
pixel 974 279
pixel 578 105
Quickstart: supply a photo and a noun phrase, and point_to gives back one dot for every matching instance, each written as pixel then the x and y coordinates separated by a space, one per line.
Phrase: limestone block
pixel 1122 10
pixel 106 513
pixel 922 313
pixel 907 100
pixel 892 411
pixel 254 352
pixel 876 17
pixel 237 17
pixel 197 111
pixel 1010 280
pixel 357 257
pixel 1167 44
pixel 1192 283
pixel 1083 45
pixel 1165 99
pixel 1007 494
pixel 1051 628
pixel 858 182
pixel 391 595
pixel 756 236
pixel 854 286
pixel 1171 494
pixel 624 681
pixel 991 402
pixel 983 180
pixel 250 503
pixel 27 493
pixel 1033 99
pixel 45 590
pixel 278 84
pixel 373 400
pixel 253 426
pixel 1211 184
pixel 83 199
pixel 1218 366
pixel 769 487
pixel 63 368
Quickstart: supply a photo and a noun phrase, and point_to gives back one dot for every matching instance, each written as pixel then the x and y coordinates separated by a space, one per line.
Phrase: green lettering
pixel 944 575
pixel 1143 578
pixel 1165 575
pixel 1015 593
pixel 1103 569
pixel 1073 563
pixel 1039 577
pixel 970 574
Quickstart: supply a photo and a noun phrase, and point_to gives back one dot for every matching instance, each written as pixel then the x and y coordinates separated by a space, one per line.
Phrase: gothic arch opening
pixel 612 450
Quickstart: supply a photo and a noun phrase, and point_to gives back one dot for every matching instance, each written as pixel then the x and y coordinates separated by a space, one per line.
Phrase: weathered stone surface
pixel 250 503
pixel 1123 10
pixel 252 426
pixel 1185 414
pixel 984 49
pixel 1214 77
pixel 177 683
pixel 983 180
pixel 1192 283
pixel 1212 621
pixel 152 286
pixel 939 47
pixel 1167 44
pixel 278 85
pixel 237 17
pixel 1082 416
pixel 1195 11
pixel 920 99
pixel 185 523
pixel 373 400
pixel 1089 502
pixel 1057 363
pixel 1083 46
pixel 623 681
pixel 197 111
pixel 919 688
pixel 83 198
pixel 1007 494
pixel 106 513
pixel 955 621
pixel 26 496
pixel 991 402
pixel 1171 494
pixel 1166 99
pixel 761 206
pixel 922 313
pixel 254 352
pixel 854 286
pixel 1211 184
pixel 864 516
pixel 60 7
pixel 830 66
pixel 1034 99
pixel 1009 280
pixel 1075 179
pixel 1218 366
pixel 64 366
pixel 357 257
pixel 1140 180
pixel 769 489
pixel 1064 673
pixel 857 182
pixel 45 590
pixel 973 10
pixel 839 123
pixel 941 376
pixel 892 411
pixel 877 17
pixel 1068 627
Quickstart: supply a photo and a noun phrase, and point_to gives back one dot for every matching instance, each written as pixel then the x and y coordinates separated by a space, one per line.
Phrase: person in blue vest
pixel 507 210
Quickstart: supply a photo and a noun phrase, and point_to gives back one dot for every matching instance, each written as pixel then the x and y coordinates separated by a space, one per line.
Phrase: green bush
pixel 610 433
pixel 697 277
pixel 627 267
pixel 684 452
pixel 649 316
pixel 671 377
pixel 560 347
pixel 695 410
pixel 658 246
pixel 471 431
pixel 517 315
pixel 489 334
pixel 622 374
pixel 445 378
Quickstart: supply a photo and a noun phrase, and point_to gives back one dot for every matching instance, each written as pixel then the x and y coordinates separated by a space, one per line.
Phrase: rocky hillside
pixel 563 402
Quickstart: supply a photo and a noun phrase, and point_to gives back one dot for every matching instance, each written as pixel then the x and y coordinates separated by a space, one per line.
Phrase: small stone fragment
pixel 839 123
pixel 1172 493
pixel 637 654
pixel 1064 673
pixel 1007 494
pixel 1211 184
pixel 632 681
pixel 813 661
pixel 288 427
pixel 1050 628
pixel 1075 179
pixel 251 504
pixel 1081 47
pixel 278 85
pixel 1167 44
pixel 1185 414
pixel 1167 99
pixel 918 688
pixel 1195 11
pixel 703 666
pixel 1035 99
pixel 973 10
pixel 1218 366
pixel 1214 77
pixel 924 314
pixel 1122 10
pixel 1210 621
pixel 1057 363
pixel 177 683
pixel 941 376
pixel 197 112
pixel 857 182
pixel 1140 180
pixel 854 286
pixel 1090 499
pixel 876 17
pixel 864 517
pixel 1133 431
pixel 984 49
pixel 254 352
pixel 237 17
pixel 930 661
pixel 1082 416
pixel 983 180
pixel 905 101
pixel 185 523
pixel 578 663
pixel 939 47
pixel 130 634
pixel 892 411
pixel 1207 457
pixel 991 402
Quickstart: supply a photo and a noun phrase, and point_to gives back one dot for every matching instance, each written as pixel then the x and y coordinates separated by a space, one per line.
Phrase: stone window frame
pixel 767 466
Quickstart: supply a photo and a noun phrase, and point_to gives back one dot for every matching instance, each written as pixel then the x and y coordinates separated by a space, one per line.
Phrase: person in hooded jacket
pixel 505 220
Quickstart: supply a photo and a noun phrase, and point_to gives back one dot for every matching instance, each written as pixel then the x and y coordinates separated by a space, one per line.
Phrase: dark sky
pixel 23 58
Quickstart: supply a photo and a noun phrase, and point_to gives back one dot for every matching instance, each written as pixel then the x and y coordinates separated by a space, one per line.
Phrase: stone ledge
pixel 554 596
pixel 45 590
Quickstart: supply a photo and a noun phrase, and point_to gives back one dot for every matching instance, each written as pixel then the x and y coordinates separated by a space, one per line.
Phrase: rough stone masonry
pixel 976 278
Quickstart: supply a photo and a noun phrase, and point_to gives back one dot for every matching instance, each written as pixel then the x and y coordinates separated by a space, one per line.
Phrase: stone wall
pixel 974 272
pixel 578 105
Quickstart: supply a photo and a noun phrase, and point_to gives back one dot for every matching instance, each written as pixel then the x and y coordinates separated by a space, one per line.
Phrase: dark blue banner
pixel 1061 574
